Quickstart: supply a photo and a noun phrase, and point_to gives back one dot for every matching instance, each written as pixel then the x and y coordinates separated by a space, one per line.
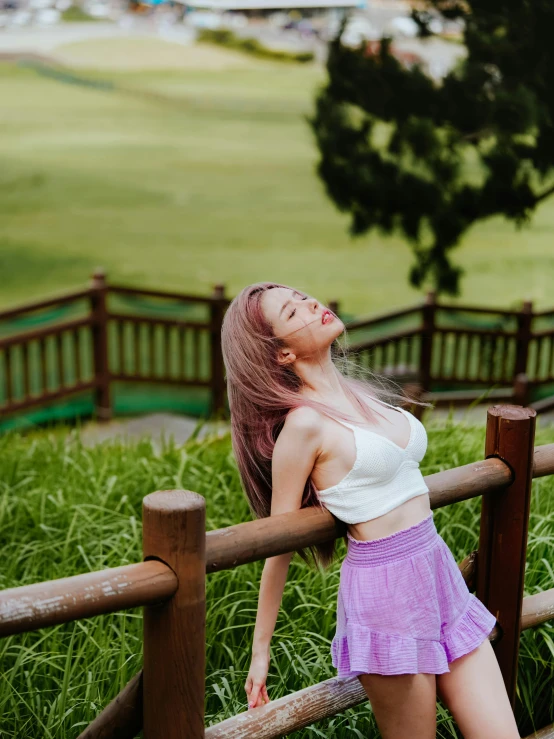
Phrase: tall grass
pixel 66 509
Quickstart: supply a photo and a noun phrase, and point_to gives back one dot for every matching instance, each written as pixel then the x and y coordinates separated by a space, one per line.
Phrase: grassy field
pixel 200 173
pixel 65 509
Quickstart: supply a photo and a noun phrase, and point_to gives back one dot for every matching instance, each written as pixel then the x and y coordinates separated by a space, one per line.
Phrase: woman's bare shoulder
pixel 304 418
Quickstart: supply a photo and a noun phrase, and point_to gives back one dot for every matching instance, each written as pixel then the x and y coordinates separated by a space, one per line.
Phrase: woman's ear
pixel 285 356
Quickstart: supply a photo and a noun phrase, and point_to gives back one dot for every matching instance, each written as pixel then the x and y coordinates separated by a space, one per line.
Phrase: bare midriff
pixel 402 517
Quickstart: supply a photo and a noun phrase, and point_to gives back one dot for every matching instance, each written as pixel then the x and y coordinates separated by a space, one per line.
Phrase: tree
pixel 403 153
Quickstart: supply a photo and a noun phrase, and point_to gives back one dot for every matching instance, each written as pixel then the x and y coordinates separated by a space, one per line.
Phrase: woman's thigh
pixel 404 706
pixel 475 694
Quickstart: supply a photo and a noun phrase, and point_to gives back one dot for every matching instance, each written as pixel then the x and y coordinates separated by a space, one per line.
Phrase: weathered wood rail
pixel 507 354
pixel 166 698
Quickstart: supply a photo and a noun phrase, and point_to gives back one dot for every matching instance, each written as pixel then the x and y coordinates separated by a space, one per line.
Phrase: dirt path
pixel 154 425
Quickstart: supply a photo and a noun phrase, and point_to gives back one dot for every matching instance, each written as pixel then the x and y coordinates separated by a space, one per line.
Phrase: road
pixel 45 40
pixel 440 55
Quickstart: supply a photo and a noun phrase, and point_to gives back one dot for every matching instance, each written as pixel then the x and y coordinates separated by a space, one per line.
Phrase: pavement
pixel 156 426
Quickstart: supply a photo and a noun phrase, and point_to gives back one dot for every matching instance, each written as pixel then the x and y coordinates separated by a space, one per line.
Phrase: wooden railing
pixel 444 353
pixel 167 697
pixel 504 352
pixel 119 345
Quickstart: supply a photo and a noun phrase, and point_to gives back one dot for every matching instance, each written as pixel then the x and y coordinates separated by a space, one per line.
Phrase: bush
pixel 224 37
pixel 75 14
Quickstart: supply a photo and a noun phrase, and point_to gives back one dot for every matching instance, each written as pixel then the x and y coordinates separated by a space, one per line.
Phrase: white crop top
pixel 383 477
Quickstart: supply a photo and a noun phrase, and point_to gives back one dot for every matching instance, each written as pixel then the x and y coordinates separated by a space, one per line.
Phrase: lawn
pixel 202 173
pixel 66 508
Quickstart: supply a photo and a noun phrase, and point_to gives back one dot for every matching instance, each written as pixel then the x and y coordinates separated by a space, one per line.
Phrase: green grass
pixel 66 509
pixel 184 177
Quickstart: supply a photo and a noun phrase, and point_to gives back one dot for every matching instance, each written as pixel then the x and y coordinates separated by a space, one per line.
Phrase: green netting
pixel 68 409
pixel 543 391
pixel 129 399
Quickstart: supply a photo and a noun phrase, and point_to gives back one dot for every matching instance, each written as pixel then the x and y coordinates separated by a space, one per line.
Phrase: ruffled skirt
pixel 403 606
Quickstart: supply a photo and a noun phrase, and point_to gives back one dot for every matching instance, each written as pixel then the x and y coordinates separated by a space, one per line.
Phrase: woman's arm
pixel 294 456
pixel 272 585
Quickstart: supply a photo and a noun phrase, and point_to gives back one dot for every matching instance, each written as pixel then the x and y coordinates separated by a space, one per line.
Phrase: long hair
pixel 262 392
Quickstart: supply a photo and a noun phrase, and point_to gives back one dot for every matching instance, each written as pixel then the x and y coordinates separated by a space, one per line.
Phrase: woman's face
pixel 306 326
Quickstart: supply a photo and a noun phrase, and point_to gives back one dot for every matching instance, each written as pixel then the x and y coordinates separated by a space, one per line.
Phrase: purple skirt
pixel 403 606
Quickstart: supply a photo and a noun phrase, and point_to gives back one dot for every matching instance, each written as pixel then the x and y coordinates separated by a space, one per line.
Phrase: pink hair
pixel 262 392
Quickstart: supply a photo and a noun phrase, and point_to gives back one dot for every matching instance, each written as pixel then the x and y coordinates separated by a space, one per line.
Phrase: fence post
pixel 524 319
pixel 510 436
pixel 218 305
pixel 428 310
pixel 174 531
pixel 521 390
pixel 98 299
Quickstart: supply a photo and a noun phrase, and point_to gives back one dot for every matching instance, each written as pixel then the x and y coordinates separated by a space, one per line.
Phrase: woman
pixel 305 433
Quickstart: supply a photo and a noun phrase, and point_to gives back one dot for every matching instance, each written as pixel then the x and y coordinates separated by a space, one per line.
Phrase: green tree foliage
pixel 404 153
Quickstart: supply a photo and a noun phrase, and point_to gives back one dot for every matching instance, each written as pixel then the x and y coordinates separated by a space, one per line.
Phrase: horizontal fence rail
pixel 31 607
pixel 105 591
pixel 39 305
pixel 122 718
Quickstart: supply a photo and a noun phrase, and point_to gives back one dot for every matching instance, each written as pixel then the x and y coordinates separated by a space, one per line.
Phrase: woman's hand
pixel 255 685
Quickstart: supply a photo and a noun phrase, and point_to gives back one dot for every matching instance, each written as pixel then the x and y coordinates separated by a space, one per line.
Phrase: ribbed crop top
pixel 383 477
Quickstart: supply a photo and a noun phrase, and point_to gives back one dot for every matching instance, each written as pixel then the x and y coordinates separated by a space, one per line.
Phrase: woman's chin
pixel 338 328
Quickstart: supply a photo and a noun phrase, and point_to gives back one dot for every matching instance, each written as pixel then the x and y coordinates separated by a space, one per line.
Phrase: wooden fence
pixel 445 353
pixel 120 345
pixel 468 349
pixel 167 697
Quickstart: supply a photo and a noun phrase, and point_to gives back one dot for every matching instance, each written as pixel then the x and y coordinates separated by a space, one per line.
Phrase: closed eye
pixel 294 311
